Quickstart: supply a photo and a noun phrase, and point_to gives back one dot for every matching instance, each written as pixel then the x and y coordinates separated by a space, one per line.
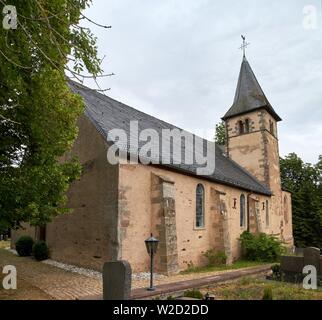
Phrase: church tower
pixel 252 137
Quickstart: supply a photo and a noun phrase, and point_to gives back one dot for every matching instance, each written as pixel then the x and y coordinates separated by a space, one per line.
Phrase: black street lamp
pixel 152 247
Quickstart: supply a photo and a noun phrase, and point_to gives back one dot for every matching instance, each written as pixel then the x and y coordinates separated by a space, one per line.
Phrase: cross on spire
pixel 244 45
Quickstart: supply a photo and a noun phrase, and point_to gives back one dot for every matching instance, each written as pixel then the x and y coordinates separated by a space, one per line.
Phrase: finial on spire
pixel 244 45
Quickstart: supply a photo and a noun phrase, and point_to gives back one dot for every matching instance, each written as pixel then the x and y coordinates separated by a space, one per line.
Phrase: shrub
pixel 215 258
pixel 196 294
pixel 268 294
pixel 41 251
pixel 24 246
pixel 277 272
pixel 261 247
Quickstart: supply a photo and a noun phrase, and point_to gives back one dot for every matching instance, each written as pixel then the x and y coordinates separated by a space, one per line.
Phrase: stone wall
pixel 143 216
pixel 163 203
pixel 295 264
pixel 88 236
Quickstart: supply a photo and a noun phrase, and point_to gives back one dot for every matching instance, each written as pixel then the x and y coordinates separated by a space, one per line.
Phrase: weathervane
pixel 244 45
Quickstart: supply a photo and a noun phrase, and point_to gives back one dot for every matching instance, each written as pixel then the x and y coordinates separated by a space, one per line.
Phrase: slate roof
pixel 107 114
pixel 249 95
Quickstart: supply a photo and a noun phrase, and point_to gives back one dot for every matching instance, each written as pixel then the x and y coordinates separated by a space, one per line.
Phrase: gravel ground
pixel 92 273
pixel 97 274
pixel 74 269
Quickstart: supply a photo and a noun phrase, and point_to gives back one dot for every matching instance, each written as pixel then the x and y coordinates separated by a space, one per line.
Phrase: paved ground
pixel 54 282
pixel 59 284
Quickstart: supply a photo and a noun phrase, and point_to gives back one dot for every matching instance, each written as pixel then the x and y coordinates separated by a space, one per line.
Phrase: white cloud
pixel 179 60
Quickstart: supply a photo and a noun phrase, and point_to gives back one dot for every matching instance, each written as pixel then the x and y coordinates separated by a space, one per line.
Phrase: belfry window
pixel 242 210
pixel 247 126
pixel 241 127
pixel 200 206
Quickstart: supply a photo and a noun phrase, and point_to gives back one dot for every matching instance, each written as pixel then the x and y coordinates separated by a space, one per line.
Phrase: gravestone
pixel 117 277
pixel 312 258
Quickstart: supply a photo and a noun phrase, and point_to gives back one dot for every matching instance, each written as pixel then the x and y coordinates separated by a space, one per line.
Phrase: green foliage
pixel 40 251
pixel 3 227
pixel 268 293
pixel 216 258
pixel 261 247
pixel 220 136
pixel 253 289
pixel 24 246
pixel 194 293
pixel 304 180
pixel 276 269
pixel 38 111
pixel 277 272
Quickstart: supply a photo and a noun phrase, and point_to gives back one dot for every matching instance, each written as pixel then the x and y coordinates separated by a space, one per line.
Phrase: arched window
pixel 267 213
pixel 247 127
pixel 241 127
pixel 200 206
pixel 242 210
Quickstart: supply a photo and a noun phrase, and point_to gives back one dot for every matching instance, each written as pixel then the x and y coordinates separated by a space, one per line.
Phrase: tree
pixel 220 136
pixel 304 181
pixel 38 111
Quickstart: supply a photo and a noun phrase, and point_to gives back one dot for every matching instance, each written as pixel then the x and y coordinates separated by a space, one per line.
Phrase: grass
pixel 240 264
pixel 248 288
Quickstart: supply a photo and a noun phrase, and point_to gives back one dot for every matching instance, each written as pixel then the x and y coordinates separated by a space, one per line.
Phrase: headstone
pixel 312 257
pixel 117 277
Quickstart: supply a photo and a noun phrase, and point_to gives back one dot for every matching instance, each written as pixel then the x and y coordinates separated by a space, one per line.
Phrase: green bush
pixel 215 258
pixel 268 294
pixel 24 246
pixel 277 272
pixel 196 294
pixel 261 247
pixel 41 251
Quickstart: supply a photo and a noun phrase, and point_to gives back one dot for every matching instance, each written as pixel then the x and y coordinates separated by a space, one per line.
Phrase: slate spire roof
pixel 249 95
pixel 107 114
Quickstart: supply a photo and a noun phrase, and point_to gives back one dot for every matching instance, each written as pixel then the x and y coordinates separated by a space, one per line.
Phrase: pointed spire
pixel 249 94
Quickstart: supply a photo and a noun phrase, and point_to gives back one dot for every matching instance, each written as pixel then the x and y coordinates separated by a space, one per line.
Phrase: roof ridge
pixel 103 97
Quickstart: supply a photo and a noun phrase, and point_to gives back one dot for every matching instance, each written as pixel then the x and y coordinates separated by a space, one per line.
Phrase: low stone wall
pixel 295 264
pixel 292 264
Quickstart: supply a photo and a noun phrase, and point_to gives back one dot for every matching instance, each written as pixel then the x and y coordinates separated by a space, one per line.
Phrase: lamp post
pixel 151 246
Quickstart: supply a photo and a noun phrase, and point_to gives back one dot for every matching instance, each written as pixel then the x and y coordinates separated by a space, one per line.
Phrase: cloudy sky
pixel 178 60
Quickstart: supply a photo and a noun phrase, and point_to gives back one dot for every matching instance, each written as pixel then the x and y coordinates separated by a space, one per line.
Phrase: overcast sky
pixel 178 60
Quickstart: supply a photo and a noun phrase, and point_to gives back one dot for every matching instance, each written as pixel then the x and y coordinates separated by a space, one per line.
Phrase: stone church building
pixel 116 207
